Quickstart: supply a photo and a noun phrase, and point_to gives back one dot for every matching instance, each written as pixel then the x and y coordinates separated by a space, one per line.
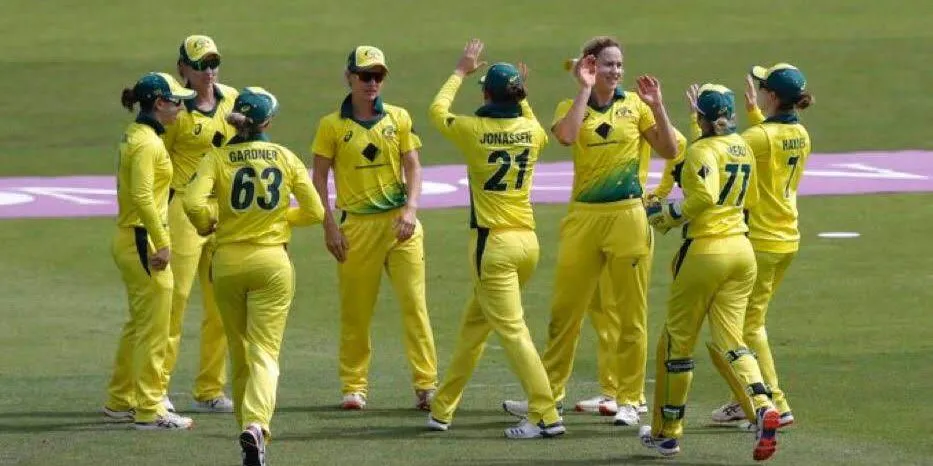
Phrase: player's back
pixel 253 184
pixel 730 158
pixel 501 154
pixel 781 152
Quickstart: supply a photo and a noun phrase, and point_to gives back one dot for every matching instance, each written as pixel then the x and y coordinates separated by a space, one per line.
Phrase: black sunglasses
pixel 175 102
pixel 367 76
pixel 202 65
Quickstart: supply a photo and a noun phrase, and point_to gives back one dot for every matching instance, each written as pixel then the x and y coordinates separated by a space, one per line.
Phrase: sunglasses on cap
pixel 367 76
pixel 207 63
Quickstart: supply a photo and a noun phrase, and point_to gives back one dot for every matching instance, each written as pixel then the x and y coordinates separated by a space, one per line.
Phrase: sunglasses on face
pixel 175 102
pixel 205 64
pixel 367 76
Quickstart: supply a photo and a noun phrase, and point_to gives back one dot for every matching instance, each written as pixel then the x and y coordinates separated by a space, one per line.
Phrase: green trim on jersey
pixel 786 118
pixel 346 111
pixel 619 94
pixel 494 110
pixel 190 105
pixel 619 184
pixel 251 138
pixel 149 120
pixel 388 198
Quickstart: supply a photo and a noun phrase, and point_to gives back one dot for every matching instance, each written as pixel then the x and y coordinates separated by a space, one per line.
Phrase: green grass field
pixel 849 327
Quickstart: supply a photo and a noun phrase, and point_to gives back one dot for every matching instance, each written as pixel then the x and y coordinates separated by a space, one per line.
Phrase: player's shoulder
pixel 396 111
pixel 564 103
pixel 228 92
pixel 330 119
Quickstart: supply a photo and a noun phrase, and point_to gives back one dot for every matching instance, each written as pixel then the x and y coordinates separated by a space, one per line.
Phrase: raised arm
pixel 660 135
pixel 567 128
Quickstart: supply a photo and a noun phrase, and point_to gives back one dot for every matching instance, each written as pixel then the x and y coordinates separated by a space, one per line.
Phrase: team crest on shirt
pixel 624 112
pixel 389 132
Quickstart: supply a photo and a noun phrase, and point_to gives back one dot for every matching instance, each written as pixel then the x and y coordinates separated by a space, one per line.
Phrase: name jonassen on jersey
pixel 504 138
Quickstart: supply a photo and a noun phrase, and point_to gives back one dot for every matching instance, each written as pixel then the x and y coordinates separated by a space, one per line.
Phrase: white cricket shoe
pixel 221 404
pixel 663 445
pixel 253 445
pixel 627 416
pixel 728 413
pixel 438 425
pixel 167 404
pixel 598 404
pixel 642 408
pixel 167 421
pixel 353 401
pixel 517 408
pixel 423 399
pixel 526 430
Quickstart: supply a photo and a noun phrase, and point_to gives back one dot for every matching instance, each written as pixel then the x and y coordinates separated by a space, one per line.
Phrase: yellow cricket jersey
pixel 253 180
pixel 667 176
pixel 144 174
pixel 501 146
pixel 718 180
pixel 610 151
pixel 367 156
pixel 781 146
pixel 196 132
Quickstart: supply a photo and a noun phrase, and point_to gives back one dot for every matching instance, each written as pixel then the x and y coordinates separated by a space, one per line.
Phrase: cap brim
pixel 205 55
pixel 372 67
pixel 182 93
pixel 759 72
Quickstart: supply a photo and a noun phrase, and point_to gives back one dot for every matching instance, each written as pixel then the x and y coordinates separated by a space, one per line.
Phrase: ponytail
pixel 723 126
pixel 804 101
pixel 243 123
pixel 128 98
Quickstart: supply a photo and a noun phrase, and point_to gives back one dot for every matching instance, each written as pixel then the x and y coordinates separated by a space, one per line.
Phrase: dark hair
pixel 801 102
pixel 598 43
pixel 243 123
pixel 718 127
pixel 128 99
pixel 514 93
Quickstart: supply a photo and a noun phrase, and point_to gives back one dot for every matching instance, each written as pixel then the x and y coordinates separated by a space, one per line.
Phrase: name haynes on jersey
pixel 253 154
pixel 794 144
pixel 506 138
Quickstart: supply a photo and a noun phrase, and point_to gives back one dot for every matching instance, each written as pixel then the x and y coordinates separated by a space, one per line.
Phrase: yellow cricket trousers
pixel 254 286
pixel 616 237
pixel 137 374
pixel 713 278
pixel 502 261
pixel 191 255
pixel 373 247
pixel 771 269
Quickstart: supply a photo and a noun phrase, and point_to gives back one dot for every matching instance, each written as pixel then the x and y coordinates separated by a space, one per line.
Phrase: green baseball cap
pixel 715 101
pixel 784 79
pixel 257 104
pixel 498 78
pixel 155 85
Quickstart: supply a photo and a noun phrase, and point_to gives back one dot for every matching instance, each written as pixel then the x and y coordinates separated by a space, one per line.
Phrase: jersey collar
pixel 619 94
pixel 251 138
pixel 346 111
pixel 149 120
pixel 499 111
pixel 218 94
pixel 786 118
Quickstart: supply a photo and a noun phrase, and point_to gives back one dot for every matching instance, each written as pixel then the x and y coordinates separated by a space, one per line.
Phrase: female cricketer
pixel 612 132
pixel 142 250
pixel 200 127
pixel 373 151
pixel 254 280
pixel 714 271
pixel 781 145
pixel 501 144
